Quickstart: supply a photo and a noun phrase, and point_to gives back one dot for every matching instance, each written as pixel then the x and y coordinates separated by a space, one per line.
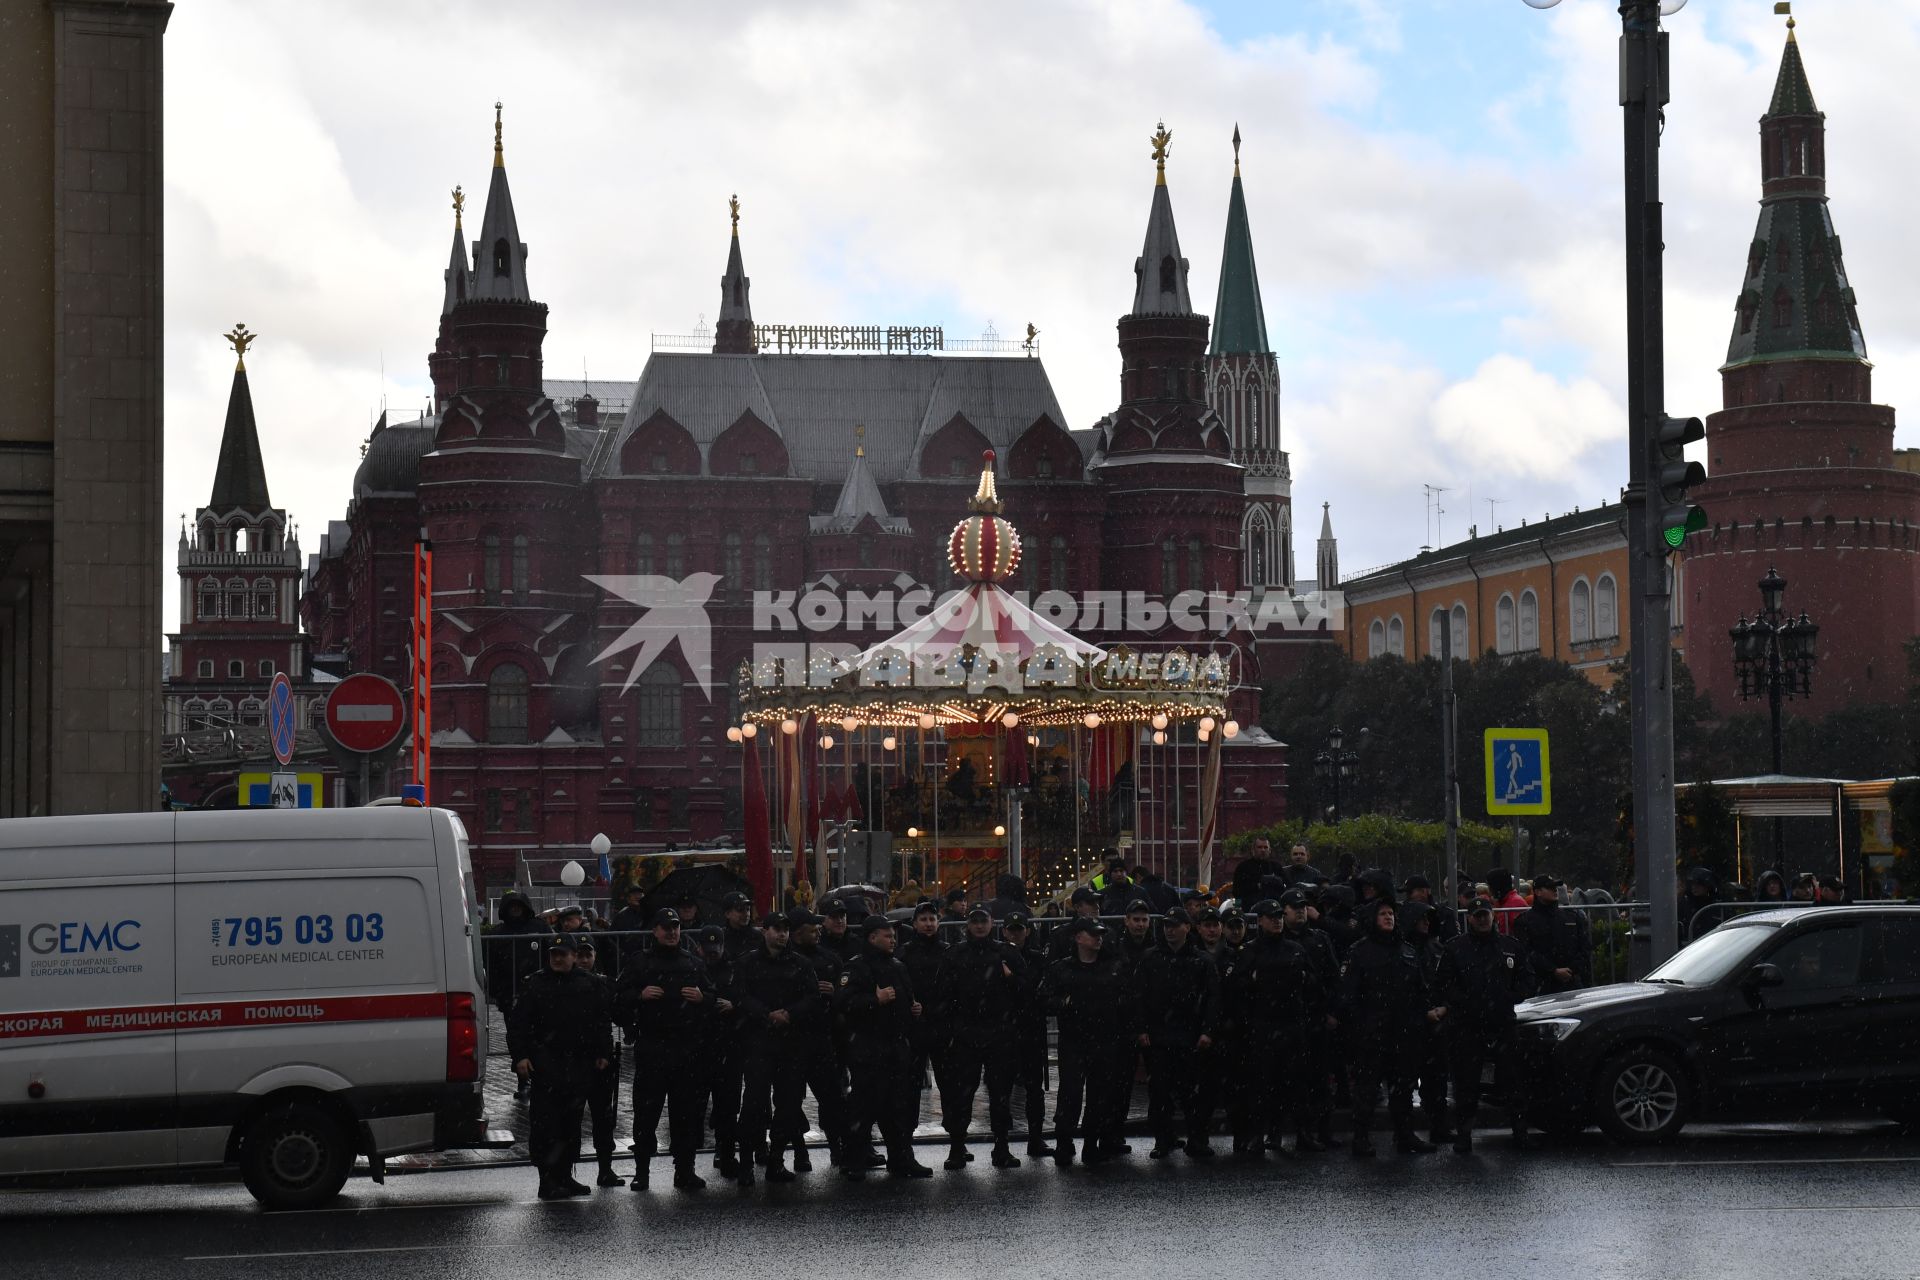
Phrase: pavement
pixel 1779 1201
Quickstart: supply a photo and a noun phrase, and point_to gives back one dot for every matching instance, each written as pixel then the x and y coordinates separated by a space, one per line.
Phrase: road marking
pixel 1824 1208
pixel 308 1253
pixel 1708 1164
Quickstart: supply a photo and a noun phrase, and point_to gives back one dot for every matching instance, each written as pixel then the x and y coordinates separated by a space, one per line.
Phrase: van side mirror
pixel 1765 975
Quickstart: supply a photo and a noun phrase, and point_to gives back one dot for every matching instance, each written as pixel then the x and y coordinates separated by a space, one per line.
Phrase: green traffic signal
pixel 1673 475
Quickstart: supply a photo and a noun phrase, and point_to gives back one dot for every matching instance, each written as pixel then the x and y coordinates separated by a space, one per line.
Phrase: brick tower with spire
pixel 1800 459
pixel 1243 386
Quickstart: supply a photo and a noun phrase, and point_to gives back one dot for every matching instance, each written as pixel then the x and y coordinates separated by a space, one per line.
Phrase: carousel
pixel 982 739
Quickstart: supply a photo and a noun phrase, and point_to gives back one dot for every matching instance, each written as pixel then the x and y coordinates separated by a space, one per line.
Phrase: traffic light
pixel 1674 514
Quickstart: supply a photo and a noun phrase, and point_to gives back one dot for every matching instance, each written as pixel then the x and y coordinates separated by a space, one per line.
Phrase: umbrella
pixel 708 885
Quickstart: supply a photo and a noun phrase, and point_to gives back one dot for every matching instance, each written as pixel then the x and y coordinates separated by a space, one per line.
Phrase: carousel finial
pixel 986 498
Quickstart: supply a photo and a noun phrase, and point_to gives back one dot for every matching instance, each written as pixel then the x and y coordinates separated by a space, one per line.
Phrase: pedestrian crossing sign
pixel 1519 780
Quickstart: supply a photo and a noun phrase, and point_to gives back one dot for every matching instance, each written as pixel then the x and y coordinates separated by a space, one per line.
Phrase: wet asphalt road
pixel 1778 1202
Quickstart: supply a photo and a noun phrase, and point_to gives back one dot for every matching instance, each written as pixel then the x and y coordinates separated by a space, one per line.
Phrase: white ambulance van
pixel 278 990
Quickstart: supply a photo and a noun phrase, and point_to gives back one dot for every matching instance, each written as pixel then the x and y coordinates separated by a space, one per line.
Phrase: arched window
pixel 490 567
pixel 1169 567
pixel 1257 537
pixel 1376 639
pixel 660 689
pixel 253 712
pixel 1503 619
pixel 196 714
pixel 762 562
pixel 1167 270
pixel 1437 632
pixel 205 668
pixel 507 704
pixel 1529 622
pixel 219 713
pixel 676 555
pixel 502 258
pixel 236 669
pixel 732 568
pixel 1461 636
pixel 1396 637
pixel 643 553
pixel 209 599
pixel 1057 563
pixel 236 599
pixel 1606 608
pixel 1196 565
pixel 264 604
pixel 1580 611
pixel 266 668
pixel 520 549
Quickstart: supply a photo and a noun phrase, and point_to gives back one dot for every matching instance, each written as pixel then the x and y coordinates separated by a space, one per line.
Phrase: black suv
pixel 1771 1015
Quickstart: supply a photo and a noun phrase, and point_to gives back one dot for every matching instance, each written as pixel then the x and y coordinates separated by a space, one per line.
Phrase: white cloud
pixel 1514 423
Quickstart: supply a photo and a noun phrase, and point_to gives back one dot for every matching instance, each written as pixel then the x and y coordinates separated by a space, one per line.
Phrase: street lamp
pixel 1773 657
pixel 1335 766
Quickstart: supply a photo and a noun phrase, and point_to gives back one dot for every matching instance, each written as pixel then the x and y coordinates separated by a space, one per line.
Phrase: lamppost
pixel 1773 656
pixel 1335 766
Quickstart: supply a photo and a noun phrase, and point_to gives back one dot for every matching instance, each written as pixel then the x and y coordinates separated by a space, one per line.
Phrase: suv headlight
pixel 1554 1028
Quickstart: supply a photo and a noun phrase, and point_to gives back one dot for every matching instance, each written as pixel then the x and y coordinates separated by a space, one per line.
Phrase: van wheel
pixel 1641 1096
pixel 295 1157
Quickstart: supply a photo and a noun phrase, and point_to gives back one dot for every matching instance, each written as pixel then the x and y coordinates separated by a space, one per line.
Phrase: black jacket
pixel 1009 896
pixel 844 945
pixel 1247 877
pixel 826 966
pixel 1555 938
pixel 765 983
pixel 1383 990
pixel 631 924
pixel 1162 896
pixel 561 1021
pixel 876 1032
pixel 513 945
pixel 978 999
pixel 672 1018
pixel 922 956
pixel 1323 995
pixel 1481 979
pixel 1179 995
pixel 1093 1002
pixel 1273 984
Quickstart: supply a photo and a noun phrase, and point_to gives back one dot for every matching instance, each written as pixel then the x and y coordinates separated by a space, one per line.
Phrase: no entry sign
pixel 365 713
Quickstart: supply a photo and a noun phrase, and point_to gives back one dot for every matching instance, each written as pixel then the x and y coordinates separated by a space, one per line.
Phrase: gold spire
pixel 1786 7
pixel 241 340
pixel 1162 140
pixel 459 203
pixel 733 208
pixel 986 498
pixel 859 449
pixel 499 152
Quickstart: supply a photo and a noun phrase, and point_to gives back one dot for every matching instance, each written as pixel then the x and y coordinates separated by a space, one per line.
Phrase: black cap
pixel 800 917
pixel 666 916
pixel 1208 915
pixel 1547 882
pixel 979 913
pixel 736 902
pixel 1178 920
pixel 925 905
pixel 634 887
pixel 560 942
pixel 1266 907
pixel 1140 906
pixel 956 895
pixel 1084 925
pixel 572 909
pixel 875 923
pixel 775 920
pixel 584 942
pixel 1293 898
pixel 1018 920
pixel 1115 860
pixel 1480 904
pixel 1415 881
pixel 838 907
pixel 1084 894
pixel 1232 915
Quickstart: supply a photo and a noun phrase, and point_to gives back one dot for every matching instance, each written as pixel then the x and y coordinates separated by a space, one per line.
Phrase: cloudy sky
pixel 1433 184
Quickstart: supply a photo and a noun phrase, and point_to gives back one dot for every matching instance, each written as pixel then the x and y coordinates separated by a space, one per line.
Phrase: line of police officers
pixel 1269 1023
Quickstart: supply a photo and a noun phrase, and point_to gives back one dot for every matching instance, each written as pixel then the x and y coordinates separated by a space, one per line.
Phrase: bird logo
pixel 675 610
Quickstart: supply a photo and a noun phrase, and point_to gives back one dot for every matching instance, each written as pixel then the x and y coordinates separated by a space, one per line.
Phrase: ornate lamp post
pixel 1773 657
pixel 1335 767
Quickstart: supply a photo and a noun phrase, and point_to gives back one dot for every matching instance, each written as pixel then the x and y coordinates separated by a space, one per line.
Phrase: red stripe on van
pixel 221 1015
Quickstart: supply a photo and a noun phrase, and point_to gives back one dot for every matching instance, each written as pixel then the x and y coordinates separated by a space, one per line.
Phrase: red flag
pixel 1014 757
pixel 855 813
pixel 753 804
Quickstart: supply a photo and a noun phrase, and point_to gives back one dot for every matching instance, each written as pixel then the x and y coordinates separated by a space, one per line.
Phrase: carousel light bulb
pixel 849 724
pixel 826 742
pixel 1010 719
pixel 1159 737
pixel 1000 831
pixel 1160 720
pixel 1231 729
pixel 913 833
pixel 1033 739
pixel 889 742
pixel 1204 735
pixel 1091 720
pixel 1208 724
pixel 748 729
pixel 926 720
pixel 733 733
pixel 789 725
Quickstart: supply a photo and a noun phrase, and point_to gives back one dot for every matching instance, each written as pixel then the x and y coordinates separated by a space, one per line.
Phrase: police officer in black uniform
pixel 1100 1030
pixel 981 986
pixel 1030 1032
pixel 921 951
pixel 820 1057
pixel 1084 904
pixel 603 1098
pixel 1180 995
pixel 722 1076
pixel 1430 1073
pixel 1483 974
pixel 1558 942
pixel 1384 998
pixel 777 993
pixel 1268 985
pixel 560 1037
pixel 1313 1048
pixel 665 998
pixel 876 998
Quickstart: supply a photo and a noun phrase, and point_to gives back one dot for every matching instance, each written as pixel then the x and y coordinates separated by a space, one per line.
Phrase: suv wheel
pixel 1641 1096
pixel 295 1157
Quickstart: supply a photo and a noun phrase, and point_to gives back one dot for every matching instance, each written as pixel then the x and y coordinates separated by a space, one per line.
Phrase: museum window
pixel 490 567
pixel 660 691
pixel 206 668
pixel 1169 567
pixel 520 550
pixel 1196 565
pixel 732 569
pixel 762 562
pixel 676 555
pixel 1057 563
pixel 643 553
pixel 507 704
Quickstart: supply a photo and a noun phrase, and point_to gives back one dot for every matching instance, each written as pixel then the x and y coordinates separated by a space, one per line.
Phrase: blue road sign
pixel 280 717
pixel 1519 776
